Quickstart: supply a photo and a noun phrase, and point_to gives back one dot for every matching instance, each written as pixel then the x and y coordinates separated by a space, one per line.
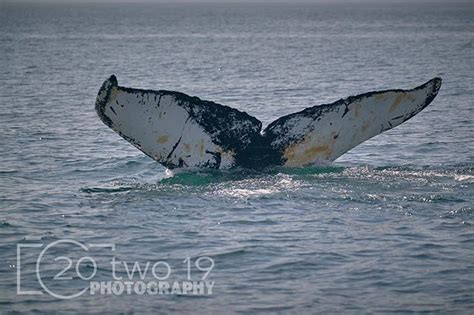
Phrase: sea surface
pixel 387 228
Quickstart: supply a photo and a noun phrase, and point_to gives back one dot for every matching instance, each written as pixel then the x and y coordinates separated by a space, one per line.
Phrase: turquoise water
pixel 386 228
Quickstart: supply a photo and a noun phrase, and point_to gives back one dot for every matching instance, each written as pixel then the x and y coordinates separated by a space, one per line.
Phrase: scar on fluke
pixel 178 130
pixel 162 139
pixel 309 154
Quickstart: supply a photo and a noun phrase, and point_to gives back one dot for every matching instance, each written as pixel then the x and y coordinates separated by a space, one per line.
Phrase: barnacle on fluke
pixel 179 130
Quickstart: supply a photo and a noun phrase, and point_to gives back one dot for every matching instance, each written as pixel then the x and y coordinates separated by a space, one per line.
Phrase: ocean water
pixel 386 228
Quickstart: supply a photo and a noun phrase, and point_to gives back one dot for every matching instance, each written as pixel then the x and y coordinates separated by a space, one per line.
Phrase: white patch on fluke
pixel 161 129
pixel 336 128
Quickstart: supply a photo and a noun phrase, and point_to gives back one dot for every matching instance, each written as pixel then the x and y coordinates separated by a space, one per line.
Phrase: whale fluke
pixel 325 132
pixel 178 130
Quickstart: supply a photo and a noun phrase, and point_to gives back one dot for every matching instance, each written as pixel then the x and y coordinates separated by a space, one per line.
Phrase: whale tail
pixel 178 130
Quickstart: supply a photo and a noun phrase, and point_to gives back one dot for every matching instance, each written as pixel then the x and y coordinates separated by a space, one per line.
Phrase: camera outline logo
pixel 115 285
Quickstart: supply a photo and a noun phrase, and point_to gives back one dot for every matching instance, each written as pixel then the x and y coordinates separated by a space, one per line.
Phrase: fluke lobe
pixel 179 130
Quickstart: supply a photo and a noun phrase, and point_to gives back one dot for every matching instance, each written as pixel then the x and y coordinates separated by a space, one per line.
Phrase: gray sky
pixel 241 1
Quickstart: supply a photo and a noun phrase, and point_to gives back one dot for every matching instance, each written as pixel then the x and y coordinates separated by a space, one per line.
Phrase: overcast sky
pixel 242 1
